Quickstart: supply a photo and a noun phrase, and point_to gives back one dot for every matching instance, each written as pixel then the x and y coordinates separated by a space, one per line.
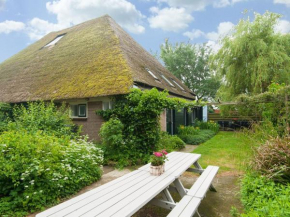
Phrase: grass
pixel 228 150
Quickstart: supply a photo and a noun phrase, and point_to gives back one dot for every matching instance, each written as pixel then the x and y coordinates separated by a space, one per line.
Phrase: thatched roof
pixel 95 58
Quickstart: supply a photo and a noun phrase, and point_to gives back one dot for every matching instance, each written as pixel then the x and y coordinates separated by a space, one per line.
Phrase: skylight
pixel 178 85
pixel 152 74
pixel 167 81
pixel 54 41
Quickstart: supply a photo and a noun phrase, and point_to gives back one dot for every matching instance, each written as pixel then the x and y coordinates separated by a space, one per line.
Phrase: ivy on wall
pixel 138 115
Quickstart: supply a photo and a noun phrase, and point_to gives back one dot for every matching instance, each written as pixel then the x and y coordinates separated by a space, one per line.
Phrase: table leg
pixel 179 187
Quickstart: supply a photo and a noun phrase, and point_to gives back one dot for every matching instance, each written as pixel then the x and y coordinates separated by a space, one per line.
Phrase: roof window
pixel 54 41
pixel 152 74
pixel 177 85
pixel 167 81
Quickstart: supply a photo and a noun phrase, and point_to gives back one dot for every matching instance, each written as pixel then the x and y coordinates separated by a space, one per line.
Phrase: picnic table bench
pixel 126 195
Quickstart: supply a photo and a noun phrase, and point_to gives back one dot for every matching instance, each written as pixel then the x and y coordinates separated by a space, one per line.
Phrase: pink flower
pixel 158 154
pixel 164 152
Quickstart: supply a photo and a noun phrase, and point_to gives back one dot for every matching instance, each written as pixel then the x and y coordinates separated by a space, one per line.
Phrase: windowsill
pixel 79 118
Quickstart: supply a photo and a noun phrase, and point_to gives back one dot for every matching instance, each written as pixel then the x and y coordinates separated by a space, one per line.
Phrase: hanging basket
pixel 157 170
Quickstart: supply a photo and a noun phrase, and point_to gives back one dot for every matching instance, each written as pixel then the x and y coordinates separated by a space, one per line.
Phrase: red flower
pixel 158 154
pixel 164 152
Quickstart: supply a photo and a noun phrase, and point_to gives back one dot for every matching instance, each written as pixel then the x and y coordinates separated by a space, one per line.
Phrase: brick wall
pixel 163 120
pixel 92 124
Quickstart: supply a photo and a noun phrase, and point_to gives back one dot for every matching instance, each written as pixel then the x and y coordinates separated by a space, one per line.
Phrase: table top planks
pixel 127 194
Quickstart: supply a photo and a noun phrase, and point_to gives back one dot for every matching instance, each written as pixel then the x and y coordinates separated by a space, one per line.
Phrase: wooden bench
pixel 188 204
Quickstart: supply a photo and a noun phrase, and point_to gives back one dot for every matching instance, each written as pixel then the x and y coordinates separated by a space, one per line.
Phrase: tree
pixel 252 57
pixel 189 63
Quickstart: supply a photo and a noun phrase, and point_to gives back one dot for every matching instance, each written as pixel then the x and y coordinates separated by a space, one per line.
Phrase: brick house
pixel 84 66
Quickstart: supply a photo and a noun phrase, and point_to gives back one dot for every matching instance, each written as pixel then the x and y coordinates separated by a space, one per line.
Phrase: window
pixel 167 81
pixel 178 85
pixel 108 105
pixel 54 41
pixel 152 74
pixel 79 111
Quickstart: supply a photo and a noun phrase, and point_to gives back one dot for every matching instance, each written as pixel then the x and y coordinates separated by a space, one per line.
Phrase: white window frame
pixel 78 104
pixel 152 74
pixel 167 81
pixel 55 40
pixel 110 105
pixel 177 84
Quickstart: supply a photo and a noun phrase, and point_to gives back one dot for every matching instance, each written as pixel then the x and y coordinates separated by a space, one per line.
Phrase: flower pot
pixel 156 170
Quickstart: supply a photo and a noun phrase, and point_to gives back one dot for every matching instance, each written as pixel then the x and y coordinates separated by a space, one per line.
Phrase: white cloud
pixel 198 5
pixel 223 29
pixel 285 2
pixel 283 26
pixel 37 28
pixel 11 26
pixel 195 33
pixel 2 4
pixel 70 12
pixel 169 19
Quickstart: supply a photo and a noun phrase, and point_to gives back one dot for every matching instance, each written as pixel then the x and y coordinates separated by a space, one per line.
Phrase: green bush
pixel 210 125
pixel 46 117
pixel 272 159
pixel 188 130
pixel 263 197
pixel 37 169
pixel 5 115
pixel 201 137
pixel 139 112
pixel 170 143
pixel 113 143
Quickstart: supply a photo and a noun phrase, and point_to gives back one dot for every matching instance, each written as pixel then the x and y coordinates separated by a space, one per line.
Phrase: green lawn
pixel 228 150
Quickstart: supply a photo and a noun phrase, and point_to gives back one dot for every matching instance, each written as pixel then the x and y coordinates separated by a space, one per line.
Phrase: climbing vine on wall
pixel 138 115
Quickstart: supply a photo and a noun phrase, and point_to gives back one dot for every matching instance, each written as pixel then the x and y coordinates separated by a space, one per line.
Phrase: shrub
pixel 188 130
pixel 46 117
pixel 115 148
pixel 210 125
pixel 263 197
pixel 201 137
pixel 170 143
pixel 273 159
pixel 139 112
pixel 37 169
pixel 5 114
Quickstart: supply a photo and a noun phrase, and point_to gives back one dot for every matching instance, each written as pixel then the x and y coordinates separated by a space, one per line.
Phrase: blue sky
pixel 149 22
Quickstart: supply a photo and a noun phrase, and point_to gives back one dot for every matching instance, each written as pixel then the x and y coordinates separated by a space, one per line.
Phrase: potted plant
pixel 157 160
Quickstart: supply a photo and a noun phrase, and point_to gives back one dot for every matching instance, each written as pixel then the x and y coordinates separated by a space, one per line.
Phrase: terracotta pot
pixel 157 170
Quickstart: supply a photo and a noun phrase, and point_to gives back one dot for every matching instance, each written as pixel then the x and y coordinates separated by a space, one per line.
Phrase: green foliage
pixel 188 130
pixel 252 56
pixel 170 143
pixel 5 115
pixel 113 142
pixel 139 113
pixel 263 197
pixel 37 169
pixel 273 159
pixel 201 137
pixel 46 117
pixel 189 63
pixel 209 125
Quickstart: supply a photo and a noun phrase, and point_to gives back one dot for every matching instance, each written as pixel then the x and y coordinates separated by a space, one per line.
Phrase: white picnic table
pixel 126 195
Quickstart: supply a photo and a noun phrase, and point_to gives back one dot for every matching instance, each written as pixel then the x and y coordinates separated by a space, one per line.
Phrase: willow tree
pixel 252 57
pixel 190 63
